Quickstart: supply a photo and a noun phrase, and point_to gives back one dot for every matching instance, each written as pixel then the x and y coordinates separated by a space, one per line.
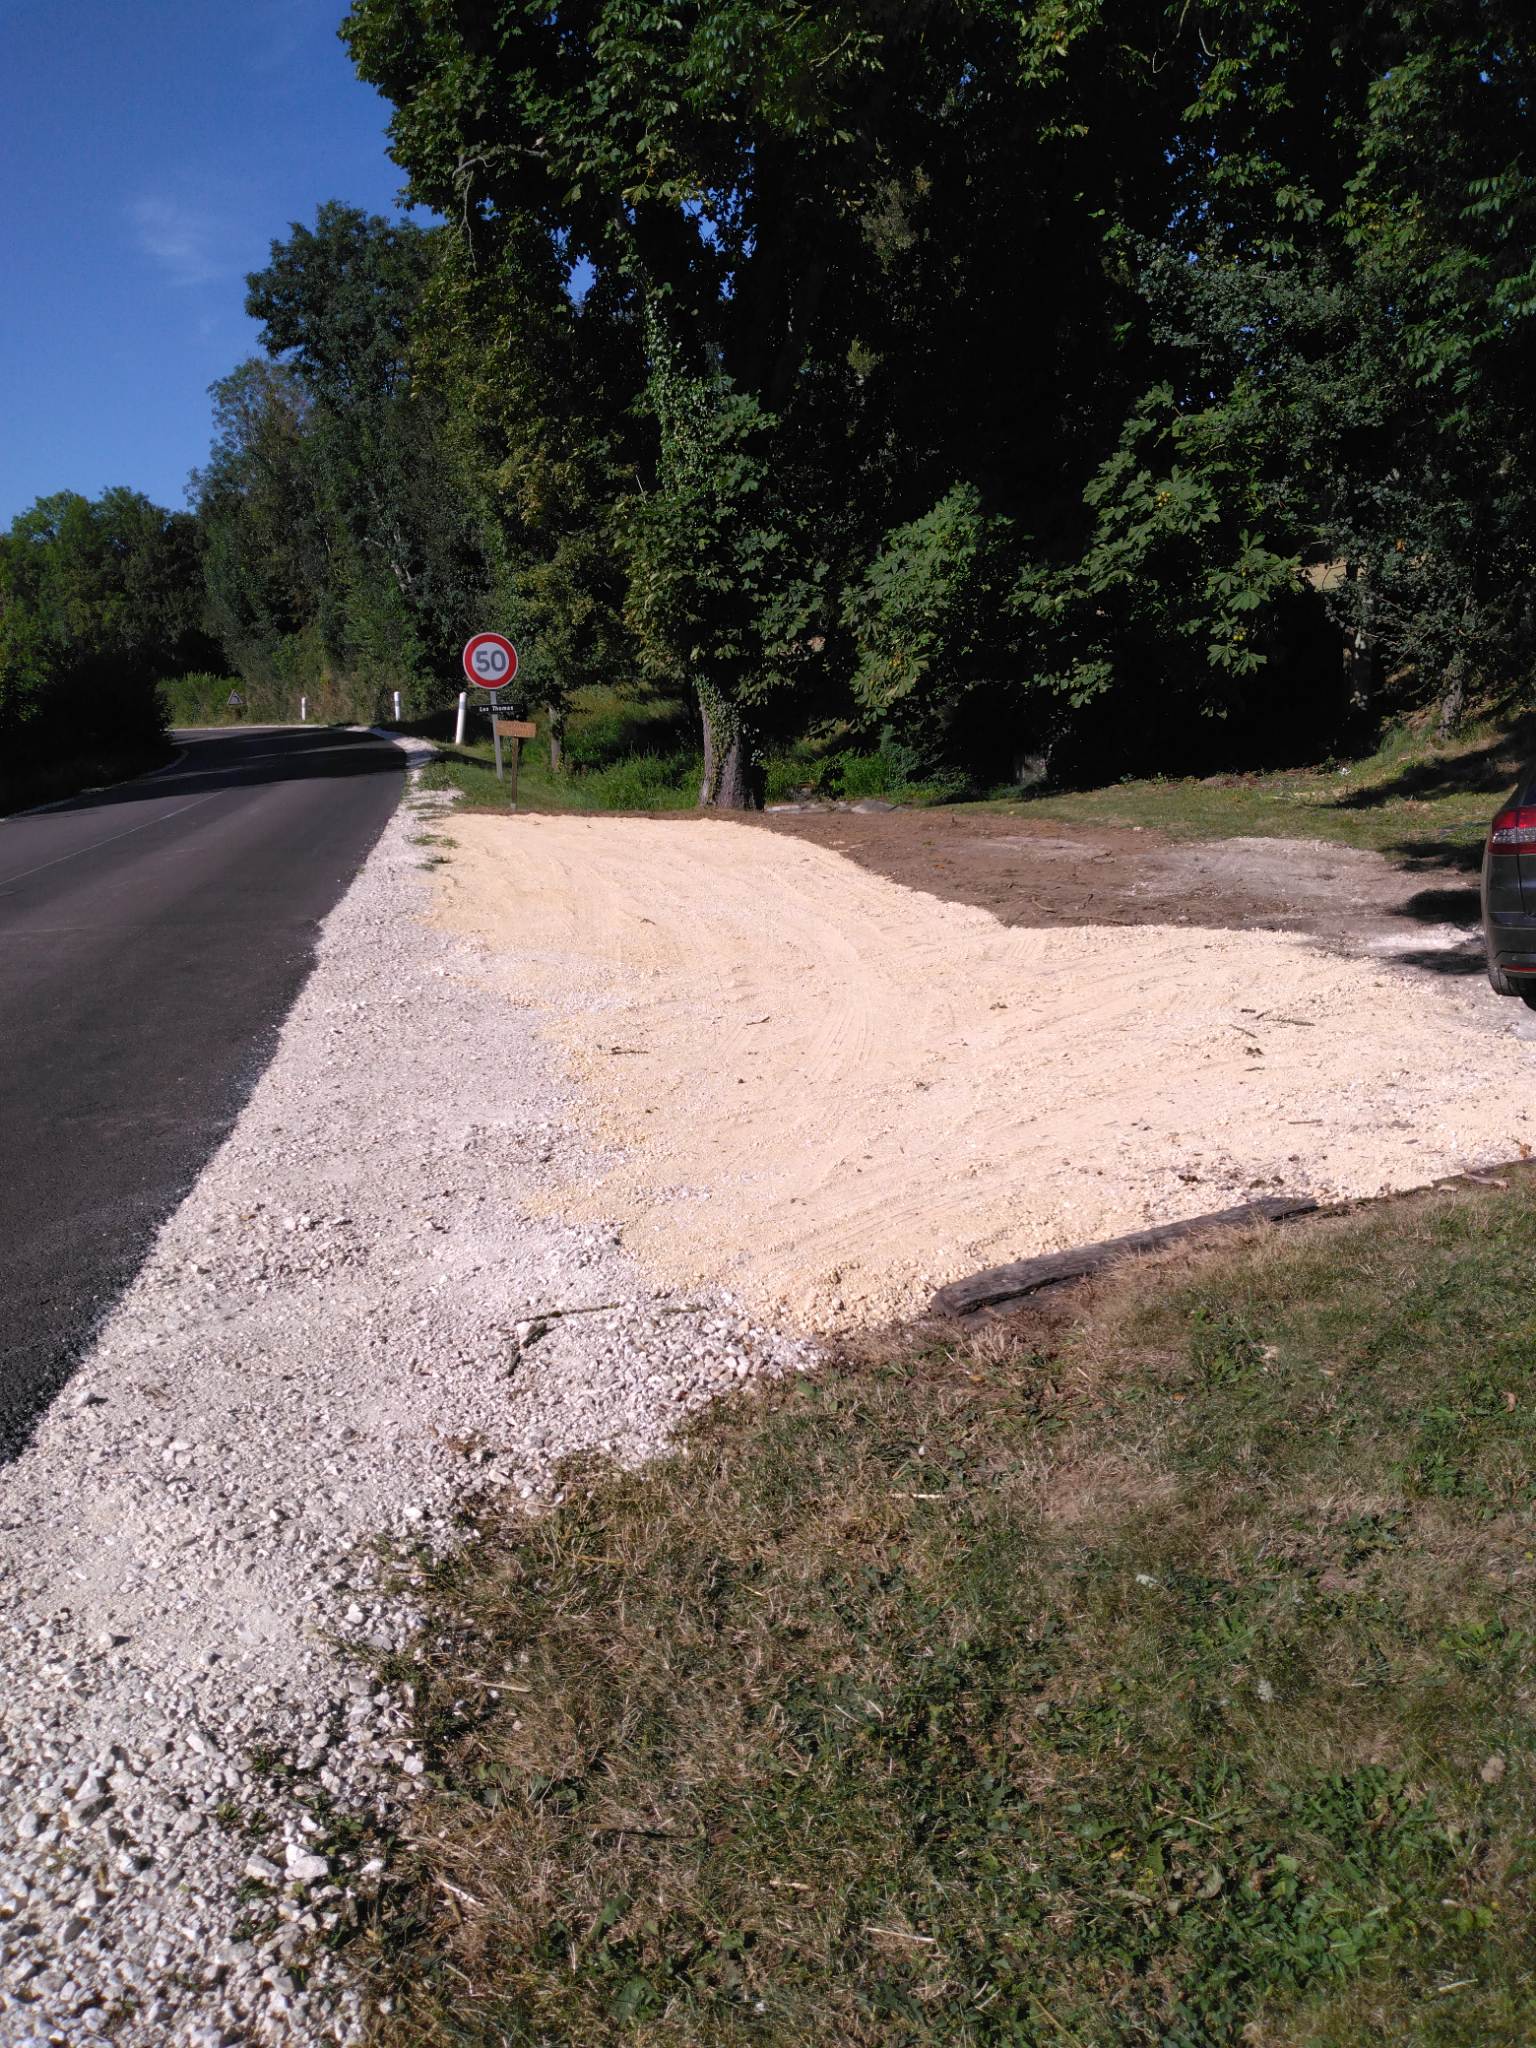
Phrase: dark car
pixel 1509 894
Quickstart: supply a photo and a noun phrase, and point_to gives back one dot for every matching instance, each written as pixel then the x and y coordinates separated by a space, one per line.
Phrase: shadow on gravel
pixel 1444 906
pixel 1453 965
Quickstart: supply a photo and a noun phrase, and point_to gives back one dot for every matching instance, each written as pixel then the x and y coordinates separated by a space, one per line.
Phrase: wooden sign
pixel 516 729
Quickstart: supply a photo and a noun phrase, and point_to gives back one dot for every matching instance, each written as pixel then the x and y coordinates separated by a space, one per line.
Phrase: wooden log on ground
pixel 1027 1276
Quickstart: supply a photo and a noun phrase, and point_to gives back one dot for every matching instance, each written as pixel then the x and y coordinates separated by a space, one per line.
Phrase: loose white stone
pixel 259 1436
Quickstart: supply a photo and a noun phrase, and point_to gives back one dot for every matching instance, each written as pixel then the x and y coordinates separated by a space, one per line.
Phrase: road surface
pixel 152 939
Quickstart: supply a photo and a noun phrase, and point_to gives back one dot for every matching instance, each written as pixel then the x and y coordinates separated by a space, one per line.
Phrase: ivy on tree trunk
pixel 732 780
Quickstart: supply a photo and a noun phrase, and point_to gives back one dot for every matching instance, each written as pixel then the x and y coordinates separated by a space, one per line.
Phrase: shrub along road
pixel 152 937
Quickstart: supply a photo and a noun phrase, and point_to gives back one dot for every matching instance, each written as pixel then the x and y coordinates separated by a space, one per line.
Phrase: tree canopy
pixel 1112 382
pixel 999 371
pixel 99 599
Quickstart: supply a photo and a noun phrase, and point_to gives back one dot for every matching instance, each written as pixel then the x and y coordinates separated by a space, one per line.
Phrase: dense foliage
pixel 342 550
pixel 1110 382
pixel 98 601
pixel 1140 383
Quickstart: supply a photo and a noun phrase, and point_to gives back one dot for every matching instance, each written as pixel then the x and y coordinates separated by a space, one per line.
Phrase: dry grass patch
pixel 1156 1668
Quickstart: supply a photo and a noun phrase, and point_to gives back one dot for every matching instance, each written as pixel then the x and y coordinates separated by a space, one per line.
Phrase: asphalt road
pixel 152 939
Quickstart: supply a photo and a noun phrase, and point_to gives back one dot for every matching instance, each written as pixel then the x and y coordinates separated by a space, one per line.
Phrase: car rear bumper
pixel 1511 943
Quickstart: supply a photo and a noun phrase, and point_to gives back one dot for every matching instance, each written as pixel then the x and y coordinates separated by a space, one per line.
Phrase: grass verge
pixel 1155 1668
pixel 635 782
pixel 620 754
pixel 1414 796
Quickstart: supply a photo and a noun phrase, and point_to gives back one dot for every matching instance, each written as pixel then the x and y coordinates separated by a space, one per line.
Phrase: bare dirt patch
pixel 831 1092
pixel 1418 912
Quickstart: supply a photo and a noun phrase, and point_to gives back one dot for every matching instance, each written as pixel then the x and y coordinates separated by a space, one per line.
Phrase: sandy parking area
pixel 831 1092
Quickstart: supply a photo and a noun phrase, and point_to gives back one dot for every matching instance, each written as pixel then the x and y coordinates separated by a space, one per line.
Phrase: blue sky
pixel 150 151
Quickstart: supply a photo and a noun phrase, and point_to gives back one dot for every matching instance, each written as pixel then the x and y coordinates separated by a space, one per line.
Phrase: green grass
pixel 638 782
pixel 1160 1669
pixel 620 754
pixel 627 753
pixel 1413 795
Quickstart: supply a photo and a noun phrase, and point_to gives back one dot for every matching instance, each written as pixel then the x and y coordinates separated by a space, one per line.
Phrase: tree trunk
pixel 1360 645
pixel 732 781
pixel 1454 702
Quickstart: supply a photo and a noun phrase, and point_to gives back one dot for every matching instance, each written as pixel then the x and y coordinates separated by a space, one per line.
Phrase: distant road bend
pixel 152 939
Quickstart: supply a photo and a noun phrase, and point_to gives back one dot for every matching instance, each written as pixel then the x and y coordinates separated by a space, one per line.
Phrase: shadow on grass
pixel 1489 769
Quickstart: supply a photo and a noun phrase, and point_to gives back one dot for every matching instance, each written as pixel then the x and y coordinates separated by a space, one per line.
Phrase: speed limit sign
pixel 490 661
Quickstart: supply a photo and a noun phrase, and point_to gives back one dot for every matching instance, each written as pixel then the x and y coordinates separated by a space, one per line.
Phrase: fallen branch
pixel 1029 1276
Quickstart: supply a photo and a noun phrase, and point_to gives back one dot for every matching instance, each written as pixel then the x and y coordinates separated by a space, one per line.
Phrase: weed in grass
pixel 1223 1351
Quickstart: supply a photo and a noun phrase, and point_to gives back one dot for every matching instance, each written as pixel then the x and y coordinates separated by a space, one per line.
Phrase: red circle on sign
pixel 490 661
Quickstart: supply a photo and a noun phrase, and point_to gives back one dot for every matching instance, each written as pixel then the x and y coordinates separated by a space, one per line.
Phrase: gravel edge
pixel 354 1321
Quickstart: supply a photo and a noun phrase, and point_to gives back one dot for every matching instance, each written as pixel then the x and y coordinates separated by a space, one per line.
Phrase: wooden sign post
pixel 516 730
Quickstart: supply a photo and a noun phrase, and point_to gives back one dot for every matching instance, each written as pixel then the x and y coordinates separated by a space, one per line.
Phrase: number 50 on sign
pixel 490 661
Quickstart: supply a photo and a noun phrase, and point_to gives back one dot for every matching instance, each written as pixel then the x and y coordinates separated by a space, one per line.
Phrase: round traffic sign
pixel 490 661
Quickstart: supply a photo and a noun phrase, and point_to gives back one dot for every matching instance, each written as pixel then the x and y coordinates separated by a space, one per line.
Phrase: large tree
pixel 344 531
pixel 1005 371
pixel 860 251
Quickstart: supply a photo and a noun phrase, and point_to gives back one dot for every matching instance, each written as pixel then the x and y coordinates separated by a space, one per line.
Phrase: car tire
pixel 1521 985
pixel 1504 984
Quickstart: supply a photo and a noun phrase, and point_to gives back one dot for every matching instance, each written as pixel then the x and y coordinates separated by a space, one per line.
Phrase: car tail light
pixel 1511 830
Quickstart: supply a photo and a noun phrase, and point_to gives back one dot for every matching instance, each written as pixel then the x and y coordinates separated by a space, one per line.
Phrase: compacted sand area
pixel 831 1092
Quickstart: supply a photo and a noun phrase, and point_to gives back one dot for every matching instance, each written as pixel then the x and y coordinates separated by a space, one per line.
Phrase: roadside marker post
pixel 303 711
pixel 397 707
pixel 458 730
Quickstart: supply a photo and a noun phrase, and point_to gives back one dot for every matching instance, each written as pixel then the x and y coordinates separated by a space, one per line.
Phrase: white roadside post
pixel 490 662
pixel 458 730
pixel 303 711
pixel 397 707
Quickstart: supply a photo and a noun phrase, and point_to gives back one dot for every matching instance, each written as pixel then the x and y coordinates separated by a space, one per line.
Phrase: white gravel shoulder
pixel 338 1335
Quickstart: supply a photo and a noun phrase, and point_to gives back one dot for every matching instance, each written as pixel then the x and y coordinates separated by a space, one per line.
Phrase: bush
pixel 892 770
pixel 200 699
pixel 645 782
pixel 97 599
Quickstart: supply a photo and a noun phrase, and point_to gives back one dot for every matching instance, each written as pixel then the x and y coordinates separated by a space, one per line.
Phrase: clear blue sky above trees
pixel 150 154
